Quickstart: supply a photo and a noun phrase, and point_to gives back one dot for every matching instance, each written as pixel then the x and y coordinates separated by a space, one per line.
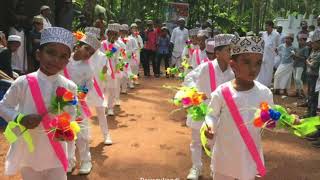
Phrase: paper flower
pixel 110 51
pixel 276 117
pixel 191 99
pixel 63 98
pixel 133 77
pixel 82 92
pixel 78 35
pixel 63 128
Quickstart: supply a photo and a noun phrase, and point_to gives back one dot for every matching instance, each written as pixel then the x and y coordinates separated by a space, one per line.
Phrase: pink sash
pixel 84 106
pixel 212 76
pixel 109 60
pixel 191 52
pixel 97 88
pixel 134 57
pixel 243 130
pixel 206 60
pixel 198 57
pixel 41 108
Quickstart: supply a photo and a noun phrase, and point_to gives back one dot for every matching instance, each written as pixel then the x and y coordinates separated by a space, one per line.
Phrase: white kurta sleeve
pixel 11 100
pixel 215 104
pixel 192 78
pixel 140 41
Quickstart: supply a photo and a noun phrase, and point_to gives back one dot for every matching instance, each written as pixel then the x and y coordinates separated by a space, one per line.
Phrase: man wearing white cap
pixel 111 48
pixel 272 41
pixel 45 14
pixel 178 39
pixel 14 43
pixel 283 75
pixel 27 101
pixel 206 78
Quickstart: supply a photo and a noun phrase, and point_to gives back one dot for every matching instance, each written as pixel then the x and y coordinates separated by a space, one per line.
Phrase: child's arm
pixel 11 100
pixel 191 80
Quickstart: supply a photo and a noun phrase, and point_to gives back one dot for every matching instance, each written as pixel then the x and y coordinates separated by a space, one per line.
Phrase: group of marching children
pixel 74 78
pixel 224 68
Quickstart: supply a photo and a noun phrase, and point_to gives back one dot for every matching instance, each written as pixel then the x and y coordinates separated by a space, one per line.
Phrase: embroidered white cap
pixel 210 44
pixel 223 39
pixel 248 44
pixel 57 35
pixel 91 40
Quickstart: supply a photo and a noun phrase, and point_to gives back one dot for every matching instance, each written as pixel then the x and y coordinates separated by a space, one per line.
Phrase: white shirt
pixel 80 73
pixel 112 62
pixel 193 61
pixel 46 22
pixel 18 99
pixel 200 79
pixel 231 156
pixel 19 58
pixel 179 38
pixel 97 61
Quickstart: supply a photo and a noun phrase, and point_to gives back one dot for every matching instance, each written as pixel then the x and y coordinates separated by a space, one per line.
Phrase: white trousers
pixel 176 61
pixel 283 75
pixel 196 149
pixel 110 94
pixel 103 122
pixel 297 77
pixel 218 176
pixel 124 83
pixel 118 87
pixel 28 173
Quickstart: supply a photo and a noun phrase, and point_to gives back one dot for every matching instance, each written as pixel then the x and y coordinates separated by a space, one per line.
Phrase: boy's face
pixel 13 46
pixel 288 40
pixel 211 56
pixel 194 40
pixel 53 58
pixel 84 52
pixel 315 45
pixel 38 26
pixel 112 36
pixel 224 54
pixel 202 41
pixel 247 66
pixel 302 41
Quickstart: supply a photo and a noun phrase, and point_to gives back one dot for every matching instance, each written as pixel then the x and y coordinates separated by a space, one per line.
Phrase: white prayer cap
pixel 203 33
pixel 316 36
pixel 114 27
pixel 37 19
pixel 223 39
pixel 290 35
pixel 182 19
pixel 93 31
pixel 149 22
pixel 133 25
pixel 91 40
pixel 14 38
pixel 124 27
pixel 248 44
pixel 250 33
pixel 303 36
pixel 209 21
pixel 210 45
pixel 44 8
pixel 57 35
pixel 193 32
pixel 137 20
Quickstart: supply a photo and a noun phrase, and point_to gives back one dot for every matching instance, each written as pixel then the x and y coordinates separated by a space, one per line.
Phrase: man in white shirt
pixel 45 13
pixel 178 41
pixel 271 42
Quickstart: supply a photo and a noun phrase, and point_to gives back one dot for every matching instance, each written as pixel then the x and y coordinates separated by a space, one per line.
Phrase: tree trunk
pixel 89 10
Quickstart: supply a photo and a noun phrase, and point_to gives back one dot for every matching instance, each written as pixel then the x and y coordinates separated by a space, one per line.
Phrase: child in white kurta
pixel 80 72
pixel 42 163
pixel 96 97
pixel 231 157
pixel 200 53
pixel 139 41
pixel 112 85
pixel 206 80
